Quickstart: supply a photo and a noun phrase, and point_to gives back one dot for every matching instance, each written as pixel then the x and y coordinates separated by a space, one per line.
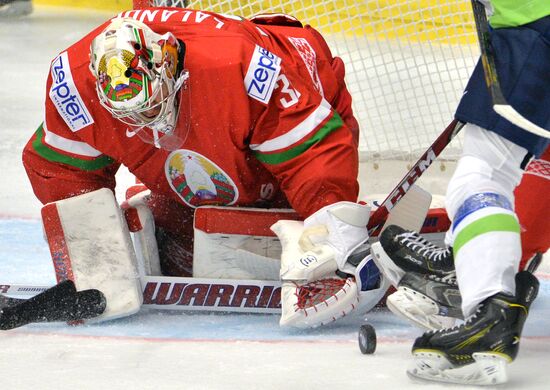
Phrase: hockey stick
pixel 500 105
pixel 184 293
pixel 7 301
pixel 59 303
pixel 378 218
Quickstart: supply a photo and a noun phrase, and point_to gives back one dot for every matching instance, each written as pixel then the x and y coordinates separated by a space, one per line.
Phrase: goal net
pixel 407 62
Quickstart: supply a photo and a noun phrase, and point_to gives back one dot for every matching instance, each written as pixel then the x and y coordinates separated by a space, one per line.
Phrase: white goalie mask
pixel 140 80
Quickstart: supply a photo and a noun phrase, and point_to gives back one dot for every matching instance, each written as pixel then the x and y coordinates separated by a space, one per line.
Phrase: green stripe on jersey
pixel 277 158
pixel 512 13
pixel 51 155
pixel 488 224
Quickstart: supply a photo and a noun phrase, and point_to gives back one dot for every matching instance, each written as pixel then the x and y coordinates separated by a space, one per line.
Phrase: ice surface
pixel 169 350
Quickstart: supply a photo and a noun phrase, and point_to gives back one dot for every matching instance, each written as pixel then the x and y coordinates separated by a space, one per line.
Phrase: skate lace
pixel 467 322
pixel 422 246
pixel 447 279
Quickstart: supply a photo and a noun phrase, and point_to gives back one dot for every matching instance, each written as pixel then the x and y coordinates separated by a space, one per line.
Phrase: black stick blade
pixel 59 303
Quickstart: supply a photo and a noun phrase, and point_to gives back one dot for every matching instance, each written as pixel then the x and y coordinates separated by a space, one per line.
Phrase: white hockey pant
pixel 485 232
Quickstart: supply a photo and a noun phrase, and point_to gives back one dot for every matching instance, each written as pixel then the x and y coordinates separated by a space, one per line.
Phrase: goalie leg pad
pixel 142 226
pixel 236 243
pixel 90 244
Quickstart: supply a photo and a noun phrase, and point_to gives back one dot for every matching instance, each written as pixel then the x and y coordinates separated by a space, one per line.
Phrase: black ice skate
pixel 413 253
pixel 477 351
pixel 429 301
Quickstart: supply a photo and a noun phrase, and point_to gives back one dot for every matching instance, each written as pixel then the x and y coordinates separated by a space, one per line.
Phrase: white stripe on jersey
pixel 68 145
pixel 302 130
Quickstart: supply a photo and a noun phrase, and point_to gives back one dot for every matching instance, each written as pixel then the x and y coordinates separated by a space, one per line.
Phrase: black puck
pixel 367 339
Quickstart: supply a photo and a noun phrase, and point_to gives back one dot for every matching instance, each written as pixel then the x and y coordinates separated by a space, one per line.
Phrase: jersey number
pixel 293 95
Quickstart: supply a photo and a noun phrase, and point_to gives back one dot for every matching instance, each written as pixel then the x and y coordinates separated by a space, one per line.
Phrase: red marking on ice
pixel 383 339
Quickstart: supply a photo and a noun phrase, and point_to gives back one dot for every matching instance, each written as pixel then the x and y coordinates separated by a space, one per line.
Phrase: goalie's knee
pixel 91 245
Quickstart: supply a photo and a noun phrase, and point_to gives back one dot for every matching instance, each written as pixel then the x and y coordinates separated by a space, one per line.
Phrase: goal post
pixel 407 63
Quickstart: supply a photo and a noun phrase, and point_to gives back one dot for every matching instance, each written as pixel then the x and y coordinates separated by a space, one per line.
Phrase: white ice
pixel 168 350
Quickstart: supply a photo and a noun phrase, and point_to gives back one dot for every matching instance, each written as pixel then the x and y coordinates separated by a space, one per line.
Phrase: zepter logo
pixel 65 96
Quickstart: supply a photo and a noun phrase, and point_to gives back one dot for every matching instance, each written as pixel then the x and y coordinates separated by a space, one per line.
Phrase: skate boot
pixel 413 253
pixel 429 301
pixel 478 351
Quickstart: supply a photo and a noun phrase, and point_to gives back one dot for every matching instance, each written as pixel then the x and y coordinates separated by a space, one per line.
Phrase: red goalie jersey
pixel 269 121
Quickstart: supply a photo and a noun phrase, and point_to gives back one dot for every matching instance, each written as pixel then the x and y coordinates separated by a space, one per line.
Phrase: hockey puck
pixel 367 339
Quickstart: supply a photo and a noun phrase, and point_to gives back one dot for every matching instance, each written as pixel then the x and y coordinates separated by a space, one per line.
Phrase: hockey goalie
pixel 203 109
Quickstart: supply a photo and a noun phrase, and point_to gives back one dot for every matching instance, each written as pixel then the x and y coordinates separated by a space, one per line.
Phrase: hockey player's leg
pixel 487 251
pixel 413 253
pixel 173 234
pixel 478 351
pixel 426 299
pixel 485 231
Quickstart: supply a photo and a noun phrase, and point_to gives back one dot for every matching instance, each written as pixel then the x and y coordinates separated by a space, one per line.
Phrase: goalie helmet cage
pixel 407 62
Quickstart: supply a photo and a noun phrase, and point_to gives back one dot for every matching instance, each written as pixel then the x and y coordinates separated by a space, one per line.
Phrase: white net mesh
pixel 407 62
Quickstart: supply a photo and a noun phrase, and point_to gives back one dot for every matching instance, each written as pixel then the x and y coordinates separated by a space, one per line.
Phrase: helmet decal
pixel 120 82
pixel 140 77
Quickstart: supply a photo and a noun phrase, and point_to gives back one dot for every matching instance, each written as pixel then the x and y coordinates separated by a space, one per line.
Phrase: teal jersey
pixel 512 13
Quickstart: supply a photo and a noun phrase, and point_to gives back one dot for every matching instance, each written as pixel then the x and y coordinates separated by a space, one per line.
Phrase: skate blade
pixel 418 308
pixel 488 369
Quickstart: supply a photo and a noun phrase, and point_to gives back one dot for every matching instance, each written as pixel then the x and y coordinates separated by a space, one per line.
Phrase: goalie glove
pixel 326 241
pixel 372 285
pixel 312 251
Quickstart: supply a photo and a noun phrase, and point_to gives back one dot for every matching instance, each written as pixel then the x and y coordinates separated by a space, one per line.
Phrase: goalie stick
pixel 500 105
pixel 183 293
pixel 379 217
pixel 7 301
pixel 59 303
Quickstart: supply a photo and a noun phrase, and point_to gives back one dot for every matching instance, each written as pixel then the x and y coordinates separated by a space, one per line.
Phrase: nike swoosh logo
pixel 130 133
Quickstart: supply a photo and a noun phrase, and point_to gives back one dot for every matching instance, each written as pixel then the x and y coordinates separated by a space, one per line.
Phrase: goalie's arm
pixel 56 174
pixel 311 152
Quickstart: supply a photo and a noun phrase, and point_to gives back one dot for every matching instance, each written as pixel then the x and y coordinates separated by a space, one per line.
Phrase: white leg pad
pixel 236 243
pixel 142 226
pixel 91 245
